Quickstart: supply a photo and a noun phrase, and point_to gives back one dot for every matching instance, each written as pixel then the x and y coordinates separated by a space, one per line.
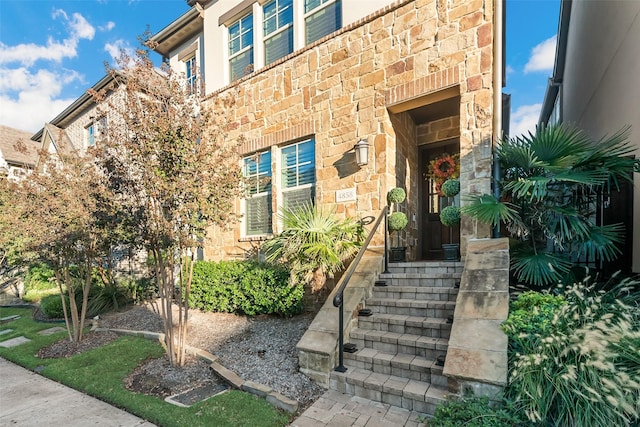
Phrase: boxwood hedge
pixel 244 287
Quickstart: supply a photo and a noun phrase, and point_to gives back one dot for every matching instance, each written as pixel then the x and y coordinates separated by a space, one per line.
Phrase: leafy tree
pixel 55 215
pixel 314 243
pixel 173 170
pixel 549 189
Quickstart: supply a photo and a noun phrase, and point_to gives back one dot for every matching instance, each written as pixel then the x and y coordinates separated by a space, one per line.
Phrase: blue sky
pixel 51 51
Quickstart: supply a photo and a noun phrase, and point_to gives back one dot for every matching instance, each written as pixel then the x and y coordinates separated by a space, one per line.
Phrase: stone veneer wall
pixel 477 353
pixel 339 88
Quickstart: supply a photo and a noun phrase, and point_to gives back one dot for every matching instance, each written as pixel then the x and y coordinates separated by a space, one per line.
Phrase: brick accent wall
pixel 339 90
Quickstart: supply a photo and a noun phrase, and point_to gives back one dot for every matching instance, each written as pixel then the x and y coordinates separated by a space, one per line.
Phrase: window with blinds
pixel 191 73
pixel 241 47
pixel 278 29
pixel 258 212
pixel 298 174
pixel 322 17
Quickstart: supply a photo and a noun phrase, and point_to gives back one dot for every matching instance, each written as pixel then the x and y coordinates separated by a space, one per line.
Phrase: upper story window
pixel 191 73
pixel 322 17
pixel 258 211
pixel 278 29
pixel 298 174
pixel 91 135
pixel 241 47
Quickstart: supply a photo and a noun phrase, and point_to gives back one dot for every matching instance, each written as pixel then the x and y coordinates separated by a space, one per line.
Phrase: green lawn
pixel 100 372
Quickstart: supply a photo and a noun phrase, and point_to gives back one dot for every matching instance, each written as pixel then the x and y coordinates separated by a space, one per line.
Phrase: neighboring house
pixel 311 78
pixel 78 127
pixel 595 86
pixel 18 154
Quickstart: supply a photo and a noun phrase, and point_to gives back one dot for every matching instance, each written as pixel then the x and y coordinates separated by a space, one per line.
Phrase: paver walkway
pixel 337 409
pixel 28 399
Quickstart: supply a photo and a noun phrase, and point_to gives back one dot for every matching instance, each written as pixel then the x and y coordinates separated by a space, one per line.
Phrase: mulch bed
pixel 66 348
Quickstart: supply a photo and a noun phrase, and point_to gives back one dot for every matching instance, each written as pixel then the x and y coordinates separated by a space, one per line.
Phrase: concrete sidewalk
pixel 28 399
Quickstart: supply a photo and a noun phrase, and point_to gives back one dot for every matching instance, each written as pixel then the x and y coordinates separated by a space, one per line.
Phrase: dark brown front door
pixel 432 233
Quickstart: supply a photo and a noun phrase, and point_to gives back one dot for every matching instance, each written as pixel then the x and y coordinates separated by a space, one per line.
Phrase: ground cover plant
pixel 100 373
pixel 472 411
pixel 577 363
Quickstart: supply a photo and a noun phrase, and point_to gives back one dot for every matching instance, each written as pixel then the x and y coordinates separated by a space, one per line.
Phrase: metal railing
pixel 338 299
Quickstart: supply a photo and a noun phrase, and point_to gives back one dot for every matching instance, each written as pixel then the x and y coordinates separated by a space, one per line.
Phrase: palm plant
pixel 314 244
pixel 550 184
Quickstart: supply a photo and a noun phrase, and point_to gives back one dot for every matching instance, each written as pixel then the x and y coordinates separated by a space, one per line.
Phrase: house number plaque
pixel 346 195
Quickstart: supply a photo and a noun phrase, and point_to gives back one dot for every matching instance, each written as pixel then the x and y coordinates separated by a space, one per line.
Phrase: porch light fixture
pixel 362 152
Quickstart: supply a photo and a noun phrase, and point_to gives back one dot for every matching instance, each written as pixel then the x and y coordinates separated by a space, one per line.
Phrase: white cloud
pixel 37 99
pixel 81 29
pixel 510 70
pixel 107 27
pixel 524 119
pixel 114 49
pixel 27 54
pixel 542 56
pixel 30 95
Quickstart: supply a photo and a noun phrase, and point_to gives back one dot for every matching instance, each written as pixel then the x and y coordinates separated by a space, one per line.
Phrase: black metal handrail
pixel 338 299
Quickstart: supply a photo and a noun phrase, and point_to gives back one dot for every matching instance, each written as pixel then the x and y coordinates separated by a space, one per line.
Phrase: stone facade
pixel 344 87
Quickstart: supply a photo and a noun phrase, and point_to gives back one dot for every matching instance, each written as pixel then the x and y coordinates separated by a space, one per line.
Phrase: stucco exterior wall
pixel 339 89
pixel 600 92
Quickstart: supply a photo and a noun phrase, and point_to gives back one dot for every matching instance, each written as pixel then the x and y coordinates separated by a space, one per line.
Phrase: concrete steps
pixel 402 341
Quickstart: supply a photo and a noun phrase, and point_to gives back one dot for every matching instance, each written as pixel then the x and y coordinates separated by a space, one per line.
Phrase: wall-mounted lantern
pixel 362 152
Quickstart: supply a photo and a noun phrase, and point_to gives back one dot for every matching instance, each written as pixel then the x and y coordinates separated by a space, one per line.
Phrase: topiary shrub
pixel 397 221
pixel 244 287
pixel 396 195
pixel 450 215
pixel 450 187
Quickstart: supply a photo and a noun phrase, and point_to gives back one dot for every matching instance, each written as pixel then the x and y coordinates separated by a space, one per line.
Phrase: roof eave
pixel 162 39
pixel 553 85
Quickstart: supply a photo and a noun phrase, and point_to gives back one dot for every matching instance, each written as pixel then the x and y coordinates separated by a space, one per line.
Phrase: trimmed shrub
pixel 397 221
pixel 396 195
pixel 450 215
pixel 244 287
pixel 450 187
pixel 51 306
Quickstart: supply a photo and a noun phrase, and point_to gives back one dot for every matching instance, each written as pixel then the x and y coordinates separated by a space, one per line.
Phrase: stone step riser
pixel 421 282
pixel 432 375
pixel 432 294
pixel 440 313
pixel 395 396
pixel 442 267
pixel 433 331
pixel 427 352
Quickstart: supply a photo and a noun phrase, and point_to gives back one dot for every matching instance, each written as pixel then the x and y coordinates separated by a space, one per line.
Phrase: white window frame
pixel 279 28
pixel 191 72
pixel 267 194
pixel 323 5
pixel 280 172
pixel 91 134
pixel 243 49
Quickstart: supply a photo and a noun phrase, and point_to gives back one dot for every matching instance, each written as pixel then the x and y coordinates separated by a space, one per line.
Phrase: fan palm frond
pixel 540 269
pixel 486 208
